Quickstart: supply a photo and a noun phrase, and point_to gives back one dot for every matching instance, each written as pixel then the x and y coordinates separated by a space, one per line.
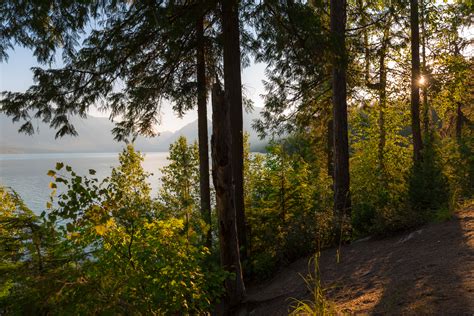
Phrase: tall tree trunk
pixel 202 130
pixel 426 118
pixel 222 177
pixel 233 95
pixel 382 107
pixel 342 199
pixel 415 77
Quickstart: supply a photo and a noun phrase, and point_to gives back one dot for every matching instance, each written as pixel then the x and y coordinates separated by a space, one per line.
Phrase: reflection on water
pixel 26 173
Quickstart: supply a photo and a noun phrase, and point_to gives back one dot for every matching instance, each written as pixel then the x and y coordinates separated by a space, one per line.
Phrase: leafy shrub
pixel 105 249
pixel 379 188
pixel 429 189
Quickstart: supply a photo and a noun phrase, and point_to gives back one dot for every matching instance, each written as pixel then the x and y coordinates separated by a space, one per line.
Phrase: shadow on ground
pixel 427 271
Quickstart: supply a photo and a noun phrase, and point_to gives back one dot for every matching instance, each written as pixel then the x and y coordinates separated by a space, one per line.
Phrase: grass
pixel 318 305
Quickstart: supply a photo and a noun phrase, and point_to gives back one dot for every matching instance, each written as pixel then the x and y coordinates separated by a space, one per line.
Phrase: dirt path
pixel 427 271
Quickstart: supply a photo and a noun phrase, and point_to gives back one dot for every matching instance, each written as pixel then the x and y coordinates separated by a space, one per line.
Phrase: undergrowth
pixel 318 304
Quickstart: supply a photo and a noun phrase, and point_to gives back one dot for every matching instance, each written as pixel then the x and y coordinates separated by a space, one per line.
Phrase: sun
pixel 422 81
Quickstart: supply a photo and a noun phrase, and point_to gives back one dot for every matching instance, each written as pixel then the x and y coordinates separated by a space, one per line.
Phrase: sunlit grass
pixel 318 304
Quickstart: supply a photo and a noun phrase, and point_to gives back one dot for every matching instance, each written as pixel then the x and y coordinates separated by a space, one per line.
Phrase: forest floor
pixel 426 271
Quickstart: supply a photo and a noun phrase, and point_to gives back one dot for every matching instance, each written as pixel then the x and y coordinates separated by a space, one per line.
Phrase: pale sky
pixel 15 75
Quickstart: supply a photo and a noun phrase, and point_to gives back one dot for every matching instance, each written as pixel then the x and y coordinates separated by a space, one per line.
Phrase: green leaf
pixel 68 168
pixel 92 171
pixel 59 165
pixel 51 173
pixel 61 180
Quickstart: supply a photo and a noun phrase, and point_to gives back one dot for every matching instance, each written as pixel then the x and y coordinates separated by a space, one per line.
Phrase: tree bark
pixel 415 77
pixel 222 177
pixel 202 131
pixel 233 95
pixel 330 147
pixel 426 118
pixel 342 199
pixel 382 106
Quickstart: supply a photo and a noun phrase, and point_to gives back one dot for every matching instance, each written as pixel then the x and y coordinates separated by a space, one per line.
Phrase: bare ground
pixel 429 271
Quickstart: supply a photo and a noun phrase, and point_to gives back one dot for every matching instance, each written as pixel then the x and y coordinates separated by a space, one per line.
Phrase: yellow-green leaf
pixel 100 229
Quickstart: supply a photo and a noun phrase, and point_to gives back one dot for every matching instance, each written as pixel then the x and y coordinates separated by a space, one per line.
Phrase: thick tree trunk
pixel 415 77
pixel 342 199
pixel 222 176
pixel 202 131
pixel 233 95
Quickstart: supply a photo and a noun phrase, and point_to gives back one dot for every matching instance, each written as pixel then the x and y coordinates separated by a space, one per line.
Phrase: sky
pixel 16 75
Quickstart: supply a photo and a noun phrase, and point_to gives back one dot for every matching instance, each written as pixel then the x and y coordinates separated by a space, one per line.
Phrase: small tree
pixel 179 194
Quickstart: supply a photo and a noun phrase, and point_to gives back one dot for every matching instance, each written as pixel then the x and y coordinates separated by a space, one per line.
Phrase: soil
pixel 428 271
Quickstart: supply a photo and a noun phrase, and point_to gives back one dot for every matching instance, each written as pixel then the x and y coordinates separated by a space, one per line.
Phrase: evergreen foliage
pixel 287 203
pixel 147 48
pixel 179 192
pixel 392 78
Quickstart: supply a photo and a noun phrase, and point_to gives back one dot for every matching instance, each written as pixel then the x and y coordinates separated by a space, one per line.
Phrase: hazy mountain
pixel 95 136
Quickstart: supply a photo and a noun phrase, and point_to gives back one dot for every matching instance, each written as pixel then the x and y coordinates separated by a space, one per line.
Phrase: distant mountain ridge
pixel 95 136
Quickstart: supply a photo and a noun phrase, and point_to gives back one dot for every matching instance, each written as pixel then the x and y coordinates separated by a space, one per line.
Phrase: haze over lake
pixel 27 173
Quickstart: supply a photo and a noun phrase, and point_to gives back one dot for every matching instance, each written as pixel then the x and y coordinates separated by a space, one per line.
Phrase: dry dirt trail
pixel 429 271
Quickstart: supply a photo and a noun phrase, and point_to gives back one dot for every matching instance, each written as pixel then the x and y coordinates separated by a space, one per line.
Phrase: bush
pixel 105 249
pixel 379 188
pixel 429 189
pixel 285 198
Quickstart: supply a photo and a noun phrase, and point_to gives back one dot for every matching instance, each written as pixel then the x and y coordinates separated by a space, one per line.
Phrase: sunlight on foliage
pixel 105 248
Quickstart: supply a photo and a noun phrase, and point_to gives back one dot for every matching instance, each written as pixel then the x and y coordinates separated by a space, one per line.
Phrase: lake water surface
pixel 27 173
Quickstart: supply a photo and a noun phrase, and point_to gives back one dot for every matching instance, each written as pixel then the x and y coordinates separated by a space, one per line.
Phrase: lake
pixel 27 173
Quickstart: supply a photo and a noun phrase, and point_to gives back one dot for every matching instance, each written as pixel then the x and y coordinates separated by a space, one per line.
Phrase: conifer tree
pixel 179 195
pixel 157 51
pixel 204 187
pixel 233 96
pixel 225 199
pixel 342 200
